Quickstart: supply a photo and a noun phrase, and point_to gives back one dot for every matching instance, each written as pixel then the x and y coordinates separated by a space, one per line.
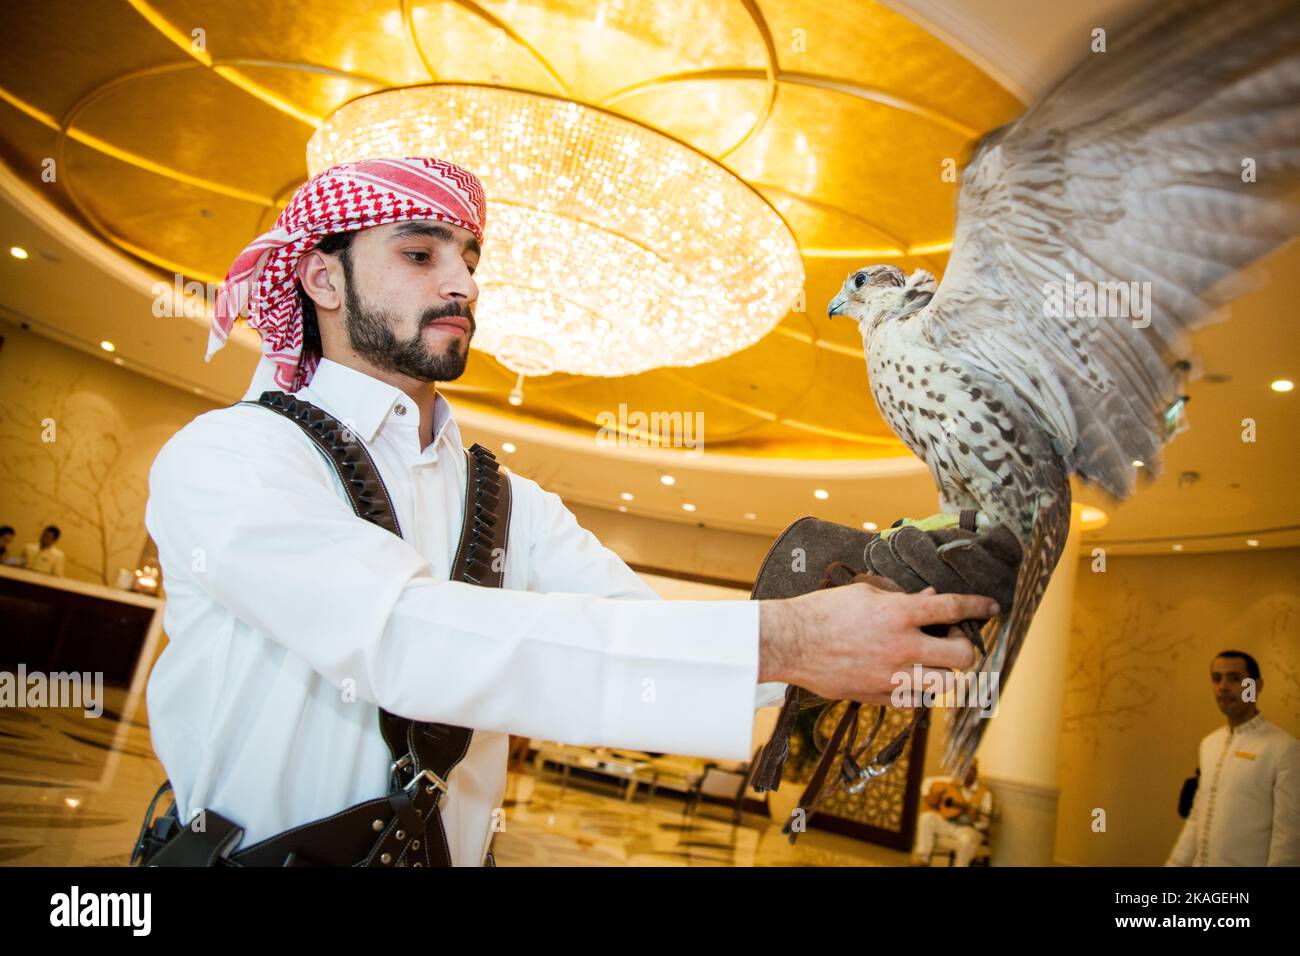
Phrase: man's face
pixel 1227 674
pixel 410 298
pixel 6 539
pixel 47 539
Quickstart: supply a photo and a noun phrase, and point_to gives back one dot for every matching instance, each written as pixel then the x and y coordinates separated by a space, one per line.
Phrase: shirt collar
pixel 364 403
pixel 1255 723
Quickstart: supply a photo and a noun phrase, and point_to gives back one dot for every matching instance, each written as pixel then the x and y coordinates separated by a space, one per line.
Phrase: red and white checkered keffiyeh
pixel 343 198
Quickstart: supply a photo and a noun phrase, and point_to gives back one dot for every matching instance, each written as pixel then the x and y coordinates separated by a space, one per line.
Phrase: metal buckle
pixel 431 777
pixel 401 763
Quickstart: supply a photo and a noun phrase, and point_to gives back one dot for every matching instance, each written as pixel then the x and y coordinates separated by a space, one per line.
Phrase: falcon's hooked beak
pixel 837 306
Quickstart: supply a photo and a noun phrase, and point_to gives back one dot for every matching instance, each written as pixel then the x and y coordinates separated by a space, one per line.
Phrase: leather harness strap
pixel 403 828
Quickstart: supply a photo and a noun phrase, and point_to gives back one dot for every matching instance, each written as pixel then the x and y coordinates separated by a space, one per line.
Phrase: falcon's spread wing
pixel 1171 159
pixel 1129 171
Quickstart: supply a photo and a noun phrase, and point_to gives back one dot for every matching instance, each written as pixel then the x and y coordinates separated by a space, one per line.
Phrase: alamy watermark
pixel 82 689
pixel 918 688
pixel 1098 300
pixel 638 429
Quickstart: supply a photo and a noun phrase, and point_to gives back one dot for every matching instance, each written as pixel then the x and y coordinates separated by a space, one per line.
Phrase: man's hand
pixel 848 642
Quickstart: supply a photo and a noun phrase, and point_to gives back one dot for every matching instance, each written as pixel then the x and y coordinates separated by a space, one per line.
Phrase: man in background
pixel 45 557
pixel 6 539
pixel 960 811
pixel 1247 807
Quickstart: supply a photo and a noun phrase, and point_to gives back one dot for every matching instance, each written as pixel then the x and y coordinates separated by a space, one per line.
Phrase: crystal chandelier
pixel 611 248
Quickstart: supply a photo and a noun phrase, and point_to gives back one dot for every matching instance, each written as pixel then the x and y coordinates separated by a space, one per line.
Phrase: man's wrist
pixel 778 625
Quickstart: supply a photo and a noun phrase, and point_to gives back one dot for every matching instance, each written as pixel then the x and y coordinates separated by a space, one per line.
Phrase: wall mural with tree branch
pixel 77 438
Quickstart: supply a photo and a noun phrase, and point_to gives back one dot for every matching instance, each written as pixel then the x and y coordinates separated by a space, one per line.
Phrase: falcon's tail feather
pixel 1041 553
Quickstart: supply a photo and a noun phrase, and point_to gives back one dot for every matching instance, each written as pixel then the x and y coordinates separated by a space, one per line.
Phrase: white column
pixel 1018 757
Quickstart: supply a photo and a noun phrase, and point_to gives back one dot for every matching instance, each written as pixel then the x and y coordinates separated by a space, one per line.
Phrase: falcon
pixel 1093 234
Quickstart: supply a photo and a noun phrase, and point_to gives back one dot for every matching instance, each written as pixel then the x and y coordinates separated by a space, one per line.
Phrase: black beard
pixel 370 333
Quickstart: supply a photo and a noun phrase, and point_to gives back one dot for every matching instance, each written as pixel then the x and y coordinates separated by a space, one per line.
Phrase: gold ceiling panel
pixel 57 50
pixel 840 115
pixel 358 36
pixel 170 224
pixel 312 89
pixel 637 41
pixel 886 54
pixel 192 121
pixel 872 160
pixel 458 43
pixel 712 115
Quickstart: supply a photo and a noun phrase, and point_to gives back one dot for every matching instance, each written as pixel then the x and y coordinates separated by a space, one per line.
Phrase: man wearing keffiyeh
pixel 294 624
pixel 413 226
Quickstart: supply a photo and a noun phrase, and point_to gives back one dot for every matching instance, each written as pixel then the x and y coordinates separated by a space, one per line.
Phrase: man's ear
pixel 320 279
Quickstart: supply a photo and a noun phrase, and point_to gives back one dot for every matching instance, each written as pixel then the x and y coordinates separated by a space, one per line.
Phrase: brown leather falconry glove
pixel 811 554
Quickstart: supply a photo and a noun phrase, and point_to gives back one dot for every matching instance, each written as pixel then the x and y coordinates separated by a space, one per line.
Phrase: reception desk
pixel 59 625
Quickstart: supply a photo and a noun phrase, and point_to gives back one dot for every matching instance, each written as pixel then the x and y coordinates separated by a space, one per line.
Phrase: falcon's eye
pixel 859 280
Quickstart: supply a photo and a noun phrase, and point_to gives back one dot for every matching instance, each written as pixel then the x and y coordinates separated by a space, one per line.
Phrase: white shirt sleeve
pixel 568 557
pixel 263 531
pixel 1284 845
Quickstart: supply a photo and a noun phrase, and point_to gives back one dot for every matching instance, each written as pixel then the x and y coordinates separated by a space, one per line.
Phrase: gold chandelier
pixel 611 248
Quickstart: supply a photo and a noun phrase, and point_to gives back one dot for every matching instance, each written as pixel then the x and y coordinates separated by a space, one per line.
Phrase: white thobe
pixel 45 560
pixel 291 621
pixel 1247 806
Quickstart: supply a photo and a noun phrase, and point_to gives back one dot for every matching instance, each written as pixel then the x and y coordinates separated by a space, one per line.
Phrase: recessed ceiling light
pixel 1178 547
pixel 1090 518
pixel 508 447
pixel 870 525
pixel 118 361
pixel 197 390
pixel 1252 542
pixel 622 507
pixel 107 346
pixel 667 479
pixel 1138 464
pixel 687 506
pixel 821 493
pixel 750 516
pixel 626 495
pixel 1282 385
pixel 515 398
pixel 18 252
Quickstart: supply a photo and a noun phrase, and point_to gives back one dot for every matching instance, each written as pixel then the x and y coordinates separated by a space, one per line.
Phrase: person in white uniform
pixel 43 555
pixel 1247 806
pixel 291 621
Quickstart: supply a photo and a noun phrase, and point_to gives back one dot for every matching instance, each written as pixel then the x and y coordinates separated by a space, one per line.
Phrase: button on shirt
pixel 1247 806
pixel 291 621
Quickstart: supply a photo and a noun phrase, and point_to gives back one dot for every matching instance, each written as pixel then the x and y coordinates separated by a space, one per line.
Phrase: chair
pixel 946 846
pixel 724 779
